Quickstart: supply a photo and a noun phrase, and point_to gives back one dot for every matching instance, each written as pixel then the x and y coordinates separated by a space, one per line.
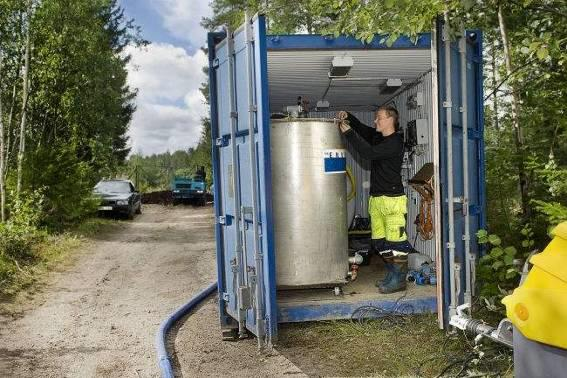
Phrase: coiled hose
pixel 164 360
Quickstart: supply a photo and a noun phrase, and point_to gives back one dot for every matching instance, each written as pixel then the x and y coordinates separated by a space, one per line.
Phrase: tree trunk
pixel 494 84
pixel 25 95
pixel 2 150
pixel 519 137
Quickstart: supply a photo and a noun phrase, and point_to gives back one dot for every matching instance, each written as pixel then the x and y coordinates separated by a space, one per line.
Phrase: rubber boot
pixel 388 263
pixel 399 273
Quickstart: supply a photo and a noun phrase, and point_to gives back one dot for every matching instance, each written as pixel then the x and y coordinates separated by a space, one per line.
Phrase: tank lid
pixel 288 120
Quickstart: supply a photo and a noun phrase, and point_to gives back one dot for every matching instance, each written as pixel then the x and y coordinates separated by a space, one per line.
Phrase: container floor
pixel 323 304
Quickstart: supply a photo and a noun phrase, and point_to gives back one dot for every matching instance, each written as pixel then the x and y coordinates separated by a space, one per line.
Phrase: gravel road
pixel 98 317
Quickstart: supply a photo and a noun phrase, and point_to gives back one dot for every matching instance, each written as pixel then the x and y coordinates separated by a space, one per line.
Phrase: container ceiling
pixel 304 73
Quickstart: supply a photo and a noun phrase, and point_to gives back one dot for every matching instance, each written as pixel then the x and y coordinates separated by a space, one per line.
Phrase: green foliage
pixel 155 172
pixel 499 269
pixel 80 105
pixel 20 235
pixel 78 113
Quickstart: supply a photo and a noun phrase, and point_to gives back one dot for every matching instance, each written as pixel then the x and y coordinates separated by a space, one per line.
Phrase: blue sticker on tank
pixel 335 161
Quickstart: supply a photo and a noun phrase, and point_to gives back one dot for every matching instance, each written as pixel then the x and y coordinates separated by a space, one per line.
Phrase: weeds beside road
pixel 27 254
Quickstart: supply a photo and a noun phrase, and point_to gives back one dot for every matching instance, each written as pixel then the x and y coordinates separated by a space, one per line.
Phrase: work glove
pixel 343 121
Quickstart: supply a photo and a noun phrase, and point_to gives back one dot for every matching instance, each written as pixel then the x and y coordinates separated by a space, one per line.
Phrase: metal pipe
pixel 435 145
pixel 253 172
pixel 469 258
pixel 447 104
pixel 161 336
pixel 241 317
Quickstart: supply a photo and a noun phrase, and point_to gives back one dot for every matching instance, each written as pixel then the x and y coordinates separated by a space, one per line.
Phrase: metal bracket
pixel 245 299
pixel 216 63
pixel 222 141
pixel 450 245
pixel 253 108
pixel 462 109
pixel 445 33
pixel 234 115
pixel 226 297
pixel 247 210
pixel 222 219
pixel 447 104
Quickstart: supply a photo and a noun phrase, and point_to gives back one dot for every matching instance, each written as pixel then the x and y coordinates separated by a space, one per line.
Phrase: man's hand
pixel 343 122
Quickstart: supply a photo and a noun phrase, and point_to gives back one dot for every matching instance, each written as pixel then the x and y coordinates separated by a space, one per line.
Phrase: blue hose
pixel 164 360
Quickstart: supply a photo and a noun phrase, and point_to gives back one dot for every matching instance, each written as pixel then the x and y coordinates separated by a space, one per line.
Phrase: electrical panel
pixel 417 133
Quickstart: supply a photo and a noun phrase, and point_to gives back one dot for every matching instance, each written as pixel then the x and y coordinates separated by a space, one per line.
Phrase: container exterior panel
pixel 223 101
pixel 255 296
pixel 475 167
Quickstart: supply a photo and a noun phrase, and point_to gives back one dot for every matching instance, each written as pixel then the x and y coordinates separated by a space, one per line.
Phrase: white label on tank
pixel 334 161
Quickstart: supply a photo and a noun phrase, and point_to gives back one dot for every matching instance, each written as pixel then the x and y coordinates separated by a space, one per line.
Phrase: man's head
pixel 386 120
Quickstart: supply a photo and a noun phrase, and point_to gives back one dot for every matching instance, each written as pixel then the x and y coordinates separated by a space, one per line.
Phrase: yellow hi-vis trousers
pixel 387 217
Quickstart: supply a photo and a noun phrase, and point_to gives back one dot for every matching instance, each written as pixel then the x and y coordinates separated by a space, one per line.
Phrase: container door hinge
pixel 447 104
pixel 216 63
pixel 253 108
pixel 234 115
pixel 226 297
pixel 222 141
pixel 225 220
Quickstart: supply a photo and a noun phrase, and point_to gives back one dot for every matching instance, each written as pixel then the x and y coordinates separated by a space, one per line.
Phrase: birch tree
pixel 25 96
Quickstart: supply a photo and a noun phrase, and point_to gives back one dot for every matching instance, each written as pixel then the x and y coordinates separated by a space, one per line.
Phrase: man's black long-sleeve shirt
pixel 385 153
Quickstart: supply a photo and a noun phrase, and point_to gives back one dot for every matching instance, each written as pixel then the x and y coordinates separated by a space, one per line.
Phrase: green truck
pixel 190 189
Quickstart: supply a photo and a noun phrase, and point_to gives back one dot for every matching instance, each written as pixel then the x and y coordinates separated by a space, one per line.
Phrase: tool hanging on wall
pixel 422 183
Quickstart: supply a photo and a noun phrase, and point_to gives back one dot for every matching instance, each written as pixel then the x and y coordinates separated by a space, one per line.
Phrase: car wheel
pixel 131 213
pixel 139 209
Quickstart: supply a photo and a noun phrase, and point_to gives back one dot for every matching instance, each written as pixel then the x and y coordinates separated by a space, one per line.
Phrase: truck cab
pixel 189 189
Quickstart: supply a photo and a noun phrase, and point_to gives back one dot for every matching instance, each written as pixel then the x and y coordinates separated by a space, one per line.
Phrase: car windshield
pixel 112 187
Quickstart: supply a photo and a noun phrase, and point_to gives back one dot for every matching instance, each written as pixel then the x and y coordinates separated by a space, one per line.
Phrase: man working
pixel 387 207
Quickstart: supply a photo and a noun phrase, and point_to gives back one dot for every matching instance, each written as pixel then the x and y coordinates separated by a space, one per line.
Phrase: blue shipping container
pixel 433 84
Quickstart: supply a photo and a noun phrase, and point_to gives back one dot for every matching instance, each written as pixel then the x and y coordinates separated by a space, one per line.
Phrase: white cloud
pixel 182 18
pixel 170 105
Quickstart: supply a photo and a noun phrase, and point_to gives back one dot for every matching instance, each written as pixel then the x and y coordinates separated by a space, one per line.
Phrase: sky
pixel 167 74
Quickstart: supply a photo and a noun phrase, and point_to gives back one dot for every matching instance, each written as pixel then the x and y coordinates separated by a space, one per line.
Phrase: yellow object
pixel 538 308
pixel 387 217
pixel 352 193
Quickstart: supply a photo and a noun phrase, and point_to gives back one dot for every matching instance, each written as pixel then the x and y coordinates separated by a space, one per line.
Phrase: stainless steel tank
pixel 309 203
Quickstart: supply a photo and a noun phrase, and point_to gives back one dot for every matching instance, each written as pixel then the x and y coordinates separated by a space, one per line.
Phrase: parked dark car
pixel 118 197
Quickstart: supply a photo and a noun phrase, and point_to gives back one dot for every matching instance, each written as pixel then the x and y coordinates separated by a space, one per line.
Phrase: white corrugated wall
pixel 361 168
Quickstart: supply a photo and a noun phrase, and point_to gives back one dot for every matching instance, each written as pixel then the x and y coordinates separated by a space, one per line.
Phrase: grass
pixel 48 254
pixel 410 346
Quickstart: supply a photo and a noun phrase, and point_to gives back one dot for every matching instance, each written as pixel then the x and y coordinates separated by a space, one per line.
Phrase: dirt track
pixel 99 317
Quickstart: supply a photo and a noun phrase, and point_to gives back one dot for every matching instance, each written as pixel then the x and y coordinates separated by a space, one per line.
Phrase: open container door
pixel 241 164
pixel 459 78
